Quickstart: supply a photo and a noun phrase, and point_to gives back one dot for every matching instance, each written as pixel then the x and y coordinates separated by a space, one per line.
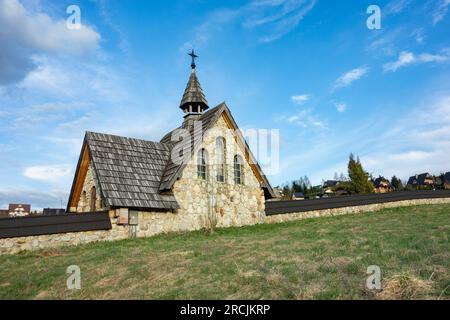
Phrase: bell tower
pixel 193 102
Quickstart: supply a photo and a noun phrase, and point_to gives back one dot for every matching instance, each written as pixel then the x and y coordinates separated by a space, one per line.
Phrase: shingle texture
pixel 193 92
pixel 129 171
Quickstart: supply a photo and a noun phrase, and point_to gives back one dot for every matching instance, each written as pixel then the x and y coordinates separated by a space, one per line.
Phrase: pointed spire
pixel 193 101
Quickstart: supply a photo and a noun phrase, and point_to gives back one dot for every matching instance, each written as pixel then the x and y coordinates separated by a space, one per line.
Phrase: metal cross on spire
pixel 194 56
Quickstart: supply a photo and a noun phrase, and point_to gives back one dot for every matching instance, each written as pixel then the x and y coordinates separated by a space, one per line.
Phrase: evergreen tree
pixel 396 183
pixel 359 178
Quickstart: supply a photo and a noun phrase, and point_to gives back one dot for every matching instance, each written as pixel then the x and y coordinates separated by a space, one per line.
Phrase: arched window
pixel 238 170
pixel 220 159
pixel 93 199
pixel 201 164
pixel 82 204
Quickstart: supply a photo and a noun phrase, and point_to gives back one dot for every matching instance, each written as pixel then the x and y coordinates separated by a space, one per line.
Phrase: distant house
pixel 278 193
pixel 421 180
pixel 381 185
pixel 19 210
pixel 298 196
pixel 446 180
pixel 329 185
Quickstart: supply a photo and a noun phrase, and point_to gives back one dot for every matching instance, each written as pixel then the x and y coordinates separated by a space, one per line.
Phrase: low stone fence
pixel 150 224
pixel 17 244
pixel 292 216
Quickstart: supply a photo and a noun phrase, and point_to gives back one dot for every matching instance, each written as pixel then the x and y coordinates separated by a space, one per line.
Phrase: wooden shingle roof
pixel 193 94
pixel 129 171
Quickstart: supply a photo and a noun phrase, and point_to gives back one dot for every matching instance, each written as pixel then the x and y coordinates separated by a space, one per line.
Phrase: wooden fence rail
pixel 42 225
pixel 285 207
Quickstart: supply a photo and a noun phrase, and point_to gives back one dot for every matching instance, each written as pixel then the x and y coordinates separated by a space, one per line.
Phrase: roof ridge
pixel 122 137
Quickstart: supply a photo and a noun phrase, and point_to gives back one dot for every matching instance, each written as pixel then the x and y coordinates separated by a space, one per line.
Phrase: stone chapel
pixel 201 174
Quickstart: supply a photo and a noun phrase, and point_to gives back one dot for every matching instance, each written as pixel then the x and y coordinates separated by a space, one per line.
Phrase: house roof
pixel 129 171
pixel 330 183
pixel 299 195
pixel 447 177
pixel 14 206
pixel 418 179
pixel 378 181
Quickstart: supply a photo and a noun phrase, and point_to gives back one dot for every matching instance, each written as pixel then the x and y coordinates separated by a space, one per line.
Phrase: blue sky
pixel 311 69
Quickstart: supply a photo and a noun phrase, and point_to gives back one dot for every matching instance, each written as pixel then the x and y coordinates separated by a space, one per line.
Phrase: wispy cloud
pixel 407 58
pixel 306 119
pixel 396 6
pixel 300 99
pixel 269 19
pixel 440 10
pixel 47 173
pixel 341 107
pixel 349 77
pixel 277 18
pixel 423 149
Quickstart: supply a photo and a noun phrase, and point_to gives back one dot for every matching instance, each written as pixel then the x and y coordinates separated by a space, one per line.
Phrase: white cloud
pixel 341 107
pixel 270 19
pixel 419 35
pixel 349 77
pixel 300 99
pixel 306 119
pixel 47 173
pixel 440 11
pixel 277 18
pixel 396 6
pixel 419 143
pixel 408 58
pixel 29 34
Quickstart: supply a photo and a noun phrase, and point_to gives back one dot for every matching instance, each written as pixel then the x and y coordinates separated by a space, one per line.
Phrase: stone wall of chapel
pixel 228 203
pixel 84 204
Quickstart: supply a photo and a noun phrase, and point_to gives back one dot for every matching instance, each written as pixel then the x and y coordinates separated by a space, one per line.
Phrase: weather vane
pixel 193 55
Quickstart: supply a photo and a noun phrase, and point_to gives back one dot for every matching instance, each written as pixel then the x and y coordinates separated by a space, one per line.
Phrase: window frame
pixel 238 171
pixel 220 160
pixel 202 160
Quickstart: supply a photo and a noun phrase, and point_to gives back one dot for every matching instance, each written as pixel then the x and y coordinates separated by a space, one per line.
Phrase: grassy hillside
pixel 323 258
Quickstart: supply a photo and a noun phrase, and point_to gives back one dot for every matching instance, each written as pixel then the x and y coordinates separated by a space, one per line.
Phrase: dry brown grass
pixel 406 287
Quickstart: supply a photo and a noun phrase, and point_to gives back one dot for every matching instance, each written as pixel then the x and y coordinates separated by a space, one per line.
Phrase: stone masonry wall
pixel 154 223
pixel 228 203
pixel 84 204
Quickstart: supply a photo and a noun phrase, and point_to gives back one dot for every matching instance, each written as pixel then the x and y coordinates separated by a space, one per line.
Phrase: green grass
pixel 324 258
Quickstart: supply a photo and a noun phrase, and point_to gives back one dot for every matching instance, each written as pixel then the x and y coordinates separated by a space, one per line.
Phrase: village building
pixel 328 187
pixel 19 210
pixel 201 174
pixel 424 180
pixel 381 185
pixel 298 196
pixel 446 180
